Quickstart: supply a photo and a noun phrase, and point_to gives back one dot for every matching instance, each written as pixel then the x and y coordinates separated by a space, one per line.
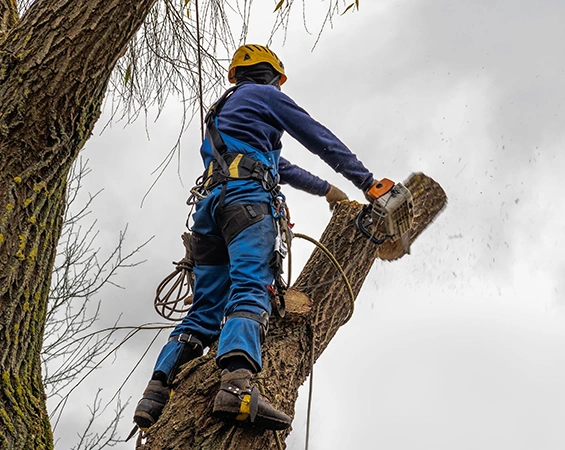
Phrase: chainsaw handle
pixel 379 188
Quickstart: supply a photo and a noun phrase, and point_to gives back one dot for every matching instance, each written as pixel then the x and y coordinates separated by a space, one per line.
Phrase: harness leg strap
pixel 192 348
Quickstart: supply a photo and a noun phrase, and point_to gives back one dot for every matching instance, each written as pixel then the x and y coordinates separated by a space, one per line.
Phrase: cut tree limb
pixel 317 305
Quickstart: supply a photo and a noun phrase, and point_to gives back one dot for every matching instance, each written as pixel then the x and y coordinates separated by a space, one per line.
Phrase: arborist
pixel 234 233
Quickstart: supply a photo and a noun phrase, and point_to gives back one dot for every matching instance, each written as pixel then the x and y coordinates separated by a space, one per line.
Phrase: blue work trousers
pixel 238 285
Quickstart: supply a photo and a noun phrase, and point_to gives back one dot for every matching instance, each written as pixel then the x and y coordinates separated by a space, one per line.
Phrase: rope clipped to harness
pixel 173 296
pixel 283 241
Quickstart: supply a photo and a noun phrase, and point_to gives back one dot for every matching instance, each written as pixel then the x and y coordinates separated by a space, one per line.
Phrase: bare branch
pixel 92 440
pixel 71 351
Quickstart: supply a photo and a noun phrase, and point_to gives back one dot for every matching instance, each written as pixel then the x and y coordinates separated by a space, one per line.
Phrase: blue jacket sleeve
pixel 318 139
pixel 301 179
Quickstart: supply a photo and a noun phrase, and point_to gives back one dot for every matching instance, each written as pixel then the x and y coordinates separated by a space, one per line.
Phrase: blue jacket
pixel 254 118
pixel 299 178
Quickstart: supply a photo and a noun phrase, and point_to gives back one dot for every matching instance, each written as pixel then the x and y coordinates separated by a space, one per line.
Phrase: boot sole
pixel 143 420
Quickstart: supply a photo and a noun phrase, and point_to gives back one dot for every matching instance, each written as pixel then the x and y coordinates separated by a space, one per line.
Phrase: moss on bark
pixel 55 63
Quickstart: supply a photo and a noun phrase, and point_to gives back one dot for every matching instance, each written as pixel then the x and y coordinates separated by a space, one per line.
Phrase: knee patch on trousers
pixel 209 250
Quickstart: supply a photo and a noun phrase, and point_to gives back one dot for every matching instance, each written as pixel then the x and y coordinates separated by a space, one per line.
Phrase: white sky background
pixel 457 346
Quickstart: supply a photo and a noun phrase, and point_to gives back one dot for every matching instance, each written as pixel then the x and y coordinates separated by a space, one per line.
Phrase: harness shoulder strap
pixel 247 167
pixel 216 142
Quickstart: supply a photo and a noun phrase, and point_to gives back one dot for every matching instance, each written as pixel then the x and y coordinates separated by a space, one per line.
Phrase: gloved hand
pixel 335 195
pixel 378 188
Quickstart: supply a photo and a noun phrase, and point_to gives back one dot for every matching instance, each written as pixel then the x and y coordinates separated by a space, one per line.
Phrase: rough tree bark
pixel 317 306
pixel 55 63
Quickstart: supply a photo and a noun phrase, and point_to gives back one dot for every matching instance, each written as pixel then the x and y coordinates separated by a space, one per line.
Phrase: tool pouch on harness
pixel 234 219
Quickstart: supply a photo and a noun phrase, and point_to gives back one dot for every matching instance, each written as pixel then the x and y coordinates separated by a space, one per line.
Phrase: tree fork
pixel 317 305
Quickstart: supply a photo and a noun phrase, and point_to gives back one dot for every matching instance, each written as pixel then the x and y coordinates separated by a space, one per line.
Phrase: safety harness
pixel 227 166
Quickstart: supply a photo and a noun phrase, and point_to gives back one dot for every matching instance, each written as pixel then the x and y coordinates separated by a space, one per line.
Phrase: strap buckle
pixel 184 338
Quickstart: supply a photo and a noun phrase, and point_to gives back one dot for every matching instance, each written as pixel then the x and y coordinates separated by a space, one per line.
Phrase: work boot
pixel 240 401
pixel 151 405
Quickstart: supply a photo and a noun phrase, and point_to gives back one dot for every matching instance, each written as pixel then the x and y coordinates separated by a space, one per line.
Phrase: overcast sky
pixel 459 345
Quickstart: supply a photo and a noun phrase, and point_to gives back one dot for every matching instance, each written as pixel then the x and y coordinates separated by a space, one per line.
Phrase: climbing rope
pixel 350 314
pixel 182 278
pixel 336 264
pixel 199 58
pixel 173 295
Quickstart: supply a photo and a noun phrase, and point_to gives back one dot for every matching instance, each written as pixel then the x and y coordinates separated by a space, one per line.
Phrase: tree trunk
pixel 317 306
pixel 55 63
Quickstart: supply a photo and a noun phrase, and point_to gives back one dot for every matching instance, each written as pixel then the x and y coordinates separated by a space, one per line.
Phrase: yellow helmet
pixel 250 54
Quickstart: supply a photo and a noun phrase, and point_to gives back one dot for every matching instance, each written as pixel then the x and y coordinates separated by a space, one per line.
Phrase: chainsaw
pixel 390 214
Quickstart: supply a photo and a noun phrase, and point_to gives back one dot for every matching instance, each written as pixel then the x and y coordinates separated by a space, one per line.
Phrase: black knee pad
pixel 209 250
